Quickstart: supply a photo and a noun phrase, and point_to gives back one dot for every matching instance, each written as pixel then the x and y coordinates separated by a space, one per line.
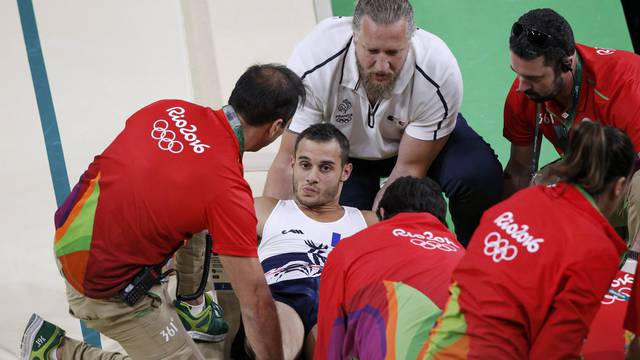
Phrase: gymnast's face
pixel 318 172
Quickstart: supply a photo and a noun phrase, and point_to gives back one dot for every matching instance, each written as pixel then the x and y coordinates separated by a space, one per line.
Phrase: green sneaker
pixel 208 325
pixel 40 338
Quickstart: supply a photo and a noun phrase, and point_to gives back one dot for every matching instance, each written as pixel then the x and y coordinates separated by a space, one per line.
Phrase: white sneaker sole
pixel 196 335
pixel 33 326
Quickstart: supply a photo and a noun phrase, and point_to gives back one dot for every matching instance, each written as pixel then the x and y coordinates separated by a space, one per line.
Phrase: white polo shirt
pixel 424 102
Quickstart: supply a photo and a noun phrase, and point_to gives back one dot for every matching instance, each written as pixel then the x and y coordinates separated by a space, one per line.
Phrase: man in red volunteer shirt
pixel 175 170
pixel 558 84
pixel 383 288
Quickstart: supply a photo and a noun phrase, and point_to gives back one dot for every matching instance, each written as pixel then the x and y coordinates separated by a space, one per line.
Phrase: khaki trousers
pixel 189 264
pixel 150 329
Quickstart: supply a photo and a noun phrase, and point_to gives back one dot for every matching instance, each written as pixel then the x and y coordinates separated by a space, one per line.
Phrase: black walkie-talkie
pixel 141 283
pixel 151 275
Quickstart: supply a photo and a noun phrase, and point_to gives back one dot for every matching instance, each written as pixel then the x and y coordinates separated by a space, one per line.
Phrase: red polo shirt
pixel 609 94
pixel 173 171
pixel 383 288
pixel 532 279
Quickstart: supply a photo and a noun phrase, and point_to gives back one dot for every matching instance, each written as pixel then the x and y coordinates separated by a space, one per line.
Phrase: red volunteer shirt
pixel 609 94
pixel 533 277
pixel 383 288
pixel 174 170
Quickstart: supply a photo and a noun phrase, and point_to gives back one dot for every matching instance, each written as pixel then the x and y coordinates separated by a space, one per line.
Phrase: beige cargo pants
pixel 151 328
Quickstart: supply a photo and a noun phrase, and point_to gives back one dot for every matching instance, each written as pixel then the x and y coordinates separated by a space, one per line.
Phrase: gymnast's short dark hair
pixel 325 132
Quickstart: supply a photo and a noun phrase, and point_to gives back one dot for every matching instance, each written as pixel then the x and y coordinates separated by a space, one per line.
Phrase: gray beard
pixel 376 91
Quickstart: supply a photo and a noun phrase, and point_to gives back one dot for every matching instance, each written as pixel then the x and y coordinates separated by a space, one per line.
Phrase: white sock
pixel 195 310
pixel 52 355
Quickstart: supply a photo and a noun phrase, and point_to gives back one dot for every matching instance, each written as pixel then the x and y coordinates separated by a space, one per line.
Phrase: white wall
pixel 26 194
pixel 250 31
pixel 105 59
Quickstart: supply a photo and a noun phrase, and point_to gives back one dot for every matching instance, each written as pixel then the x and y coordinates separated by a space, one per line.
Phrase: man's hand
pixel 517 173
pixel 279 184
pixel 414 159
pixel 256 305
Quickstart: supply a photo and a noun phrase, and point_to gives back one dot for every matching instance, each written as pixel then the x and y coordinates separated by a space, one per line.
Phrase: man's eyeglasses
pixel 534 37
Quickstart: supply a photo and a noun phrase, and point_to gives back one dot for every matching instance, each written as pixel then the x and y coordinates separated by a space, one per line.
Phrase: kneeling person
pixel 114 228
pixel 298 234
pixel 383 288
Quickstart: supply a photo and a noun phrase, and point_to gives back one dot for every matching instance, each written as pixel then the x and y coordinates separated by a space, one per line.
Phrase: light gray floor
pixel 104 61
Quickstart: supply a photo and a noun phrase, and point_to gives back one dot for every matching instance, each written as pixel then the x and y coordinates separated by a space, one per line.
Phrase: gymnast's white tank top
pixel 295 246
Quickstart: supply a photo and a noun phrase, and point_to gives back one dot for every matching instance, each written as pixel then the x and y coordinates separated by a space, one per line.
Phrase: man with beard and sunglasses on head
pixel 558 84
pixel 395 91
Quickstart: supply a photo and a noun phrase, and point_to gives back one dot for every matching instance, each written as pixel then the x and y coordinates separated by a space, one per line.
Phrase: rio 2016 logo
pixel 519 233
pixel 428 241
pixel 167 138
pixel 620 290
pixel 189 133
pixel 500 249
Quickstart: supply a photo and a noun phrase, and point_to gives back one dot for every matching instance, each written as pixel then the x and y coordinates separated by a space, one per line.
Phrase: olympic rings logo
pixel 428 241
pixel 166 138
pixel 434 244
pixel 498 248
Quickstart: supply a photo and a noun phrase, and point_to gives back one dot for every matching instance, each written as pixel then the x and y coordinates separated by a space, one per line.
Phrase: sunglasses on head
pixel 534 37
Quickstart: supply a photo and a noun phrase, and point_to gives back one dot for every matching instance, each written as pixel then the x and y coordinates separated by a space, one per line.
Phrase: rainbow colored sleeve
pixel 448 339
pixel 73 238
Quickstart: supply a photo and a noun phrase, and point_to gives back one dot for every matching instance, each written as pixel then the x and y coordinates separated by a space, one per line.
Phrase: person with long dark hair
pixel 540 262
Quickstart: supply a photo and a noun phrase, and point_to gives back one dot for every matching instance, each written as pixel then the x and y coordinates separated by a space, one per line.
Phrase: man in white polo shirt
pixel 395 92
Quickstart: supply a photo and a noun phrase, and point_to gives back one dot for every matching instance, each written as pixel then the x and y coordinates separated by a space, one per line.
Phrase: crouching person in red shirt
pixel 383 288
pixel 540 262
pixel 174 171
